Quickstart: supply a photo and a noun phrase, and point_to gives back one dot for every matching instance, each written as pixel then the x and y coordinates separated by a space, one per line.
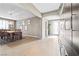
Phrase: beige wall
pixel 33 29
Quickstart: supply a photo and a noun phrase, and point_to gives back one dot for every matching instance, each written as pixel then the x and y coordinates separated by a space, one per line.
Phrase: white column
pixel 44 30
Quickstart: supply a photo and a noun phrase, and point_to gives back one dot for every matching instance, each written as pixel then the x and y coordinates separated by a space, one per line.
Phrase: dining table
pixel 15 35
pixel 11 36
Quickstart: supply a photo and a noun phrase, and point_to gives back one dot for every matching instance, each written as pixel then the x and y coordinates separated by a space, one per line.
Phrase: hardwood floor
pixel 30 46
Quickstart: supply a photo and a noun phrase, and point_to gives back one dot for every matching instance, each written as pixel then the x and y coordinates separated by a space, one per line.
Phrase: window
pixel 0 24
pixel 5 24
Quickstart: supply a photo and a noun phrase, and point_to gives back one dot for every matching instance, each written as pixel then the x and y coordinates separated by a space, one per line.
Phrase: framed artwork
pixel 68 24
pixel 75 22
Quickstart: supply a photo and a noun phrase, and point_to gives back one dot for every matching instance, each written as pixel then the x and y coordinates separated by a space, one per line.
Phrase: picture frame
pixel 68 24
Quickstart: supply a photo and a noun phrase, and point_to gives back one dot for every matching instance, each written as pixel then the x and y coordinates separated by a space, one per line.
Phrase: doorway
pixel 53 27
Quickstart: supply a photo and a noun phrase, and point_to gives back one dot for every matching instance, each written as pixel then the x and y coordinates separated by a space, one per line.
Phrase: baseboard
pixel 31 36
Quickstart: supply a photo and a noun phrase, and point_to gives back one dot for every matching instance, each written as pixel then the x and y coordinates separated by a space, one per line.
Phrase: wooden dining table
pixel 11 35
pixel 10 31
pixel 15 35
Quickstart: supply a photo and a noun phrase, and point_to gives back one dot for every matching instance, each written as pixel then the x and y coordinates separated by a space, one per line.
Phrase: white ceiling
pixel 13 11
pixel 46 7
